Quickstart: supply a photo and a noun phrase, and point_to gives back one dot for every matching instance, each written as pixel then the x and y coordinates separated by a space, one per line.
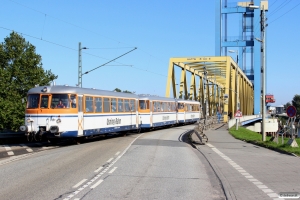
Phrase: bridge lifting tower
pixel 228 36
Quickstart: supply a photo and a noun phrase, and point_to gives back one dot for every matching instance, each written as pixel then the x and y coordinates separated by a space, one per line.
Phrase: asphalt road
pixel 151 165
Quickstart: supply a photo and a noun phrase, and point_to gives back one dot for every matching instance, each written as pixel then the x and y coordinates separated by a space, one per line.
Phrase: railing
pixel 203 125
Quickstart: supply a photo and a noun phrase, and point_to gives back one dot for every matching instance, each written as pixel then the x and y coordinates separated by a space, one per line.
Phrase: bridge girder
pixel 222 86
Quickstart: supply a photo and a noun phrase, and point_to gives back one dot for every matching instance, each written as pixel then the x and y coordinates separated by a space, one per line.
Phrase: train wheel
pixel 29 137
pixel 38 137
pixel 52 141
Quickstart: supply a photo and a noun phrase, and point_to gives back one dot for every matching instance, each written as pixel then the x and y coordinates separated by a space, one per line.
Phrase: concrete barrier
pixel 232 121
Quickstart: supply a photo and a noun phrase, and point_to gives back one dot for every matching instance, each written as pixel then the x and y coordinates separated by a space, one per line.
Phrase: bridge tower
pixel 237 26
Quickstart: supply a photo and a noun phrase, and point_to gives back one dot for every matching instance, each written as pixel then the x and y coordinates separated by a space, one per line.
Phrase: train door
pixel 80 115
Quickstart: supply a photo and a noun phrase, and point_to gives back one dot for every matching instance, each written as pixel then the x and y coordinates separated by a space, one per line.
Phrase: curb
pixel 229 194
pixel 273 149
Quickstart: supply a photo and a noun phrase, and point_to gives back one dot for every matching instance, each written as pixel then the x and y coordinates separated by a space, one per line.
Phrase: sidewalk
pixel 248 171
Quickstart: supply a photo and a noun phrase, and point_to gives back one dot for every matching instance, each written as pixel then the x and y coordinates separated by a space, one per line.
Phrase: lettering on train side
pixel 192 116
pixel 165 117
pixel 113 121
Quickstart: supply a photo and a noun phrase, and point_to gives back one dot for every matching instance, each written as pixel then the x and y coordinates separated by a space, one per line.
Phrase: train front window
pixel 33 101
pixel 44 101
pixel 60 101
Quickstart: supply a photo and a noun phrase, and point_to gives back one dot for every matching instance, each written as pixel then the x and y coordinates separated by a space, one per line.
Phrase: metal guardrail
pixel 203 125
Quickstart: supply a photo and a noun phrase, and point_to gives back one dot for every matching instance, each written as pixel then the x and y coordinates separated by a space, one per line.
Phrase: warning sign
pixel 238 114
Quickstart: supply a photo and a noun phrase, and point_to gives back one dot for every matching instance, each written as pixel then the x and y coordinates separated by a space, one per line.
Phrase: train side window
pixel 106 105
pixel 120 105
pixel 60 101
pixel 113 105
pixel 33 101
pixel 89 104
pixel 98 104
pixel 127 106
pixel 73 100
pixel 132 105
pixel 154 106
pixel 142 104
pixel 158 105
pixel 44 101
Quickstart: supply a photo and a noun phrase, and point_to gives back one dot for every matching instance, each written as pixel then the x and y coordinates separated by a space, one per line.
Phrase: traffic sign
pixel 291 111
pixel 238 114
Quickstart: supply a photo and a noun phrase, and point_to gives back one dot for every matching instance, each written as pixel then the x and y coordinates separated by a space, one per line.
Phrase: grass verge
pixel 253 137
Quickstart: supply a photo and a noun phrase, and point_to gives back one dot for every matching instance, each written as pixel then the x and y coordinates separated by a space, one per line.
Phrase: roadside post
pixel 291 113
pixel 237 116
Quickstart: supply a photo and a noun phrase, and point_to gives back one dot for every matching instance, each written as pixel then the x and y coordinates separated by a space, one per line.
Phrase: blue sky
pixel 160 29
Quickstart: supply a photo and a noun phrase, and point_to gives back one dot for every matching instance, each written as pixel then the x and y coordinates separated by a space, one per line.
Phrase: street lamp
pixel 80 65
pixel 237 55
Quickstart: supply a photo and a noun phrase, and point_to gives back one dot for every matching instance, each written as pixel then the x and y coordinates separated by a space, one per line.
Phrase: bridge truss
pixel 222 85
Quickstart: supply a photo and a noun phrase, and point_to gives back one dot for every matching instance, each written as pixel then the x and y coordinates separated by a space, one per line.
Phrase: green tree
pixel 117 90
pixel 285 106
pixel 20 69
pixel 296 103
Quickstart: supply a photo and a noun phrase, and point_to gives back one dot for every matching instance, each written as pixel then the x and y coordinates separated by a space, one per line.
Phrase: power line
pixel 81 28
pixel 77 50
pixel 273 3
pixel 284 13
pixel 278 8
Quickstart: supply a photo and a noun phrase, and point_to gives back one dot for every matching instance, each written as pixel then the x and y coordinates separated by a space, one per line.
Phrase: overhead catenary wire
pixel 284 13
pixel 109 61
pixel 279 8
pixel 63 46
pixel 83 28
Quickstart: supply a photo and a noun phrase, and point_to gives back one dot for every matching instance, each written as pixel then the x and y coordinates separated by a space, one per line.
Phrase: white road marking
pixel 10 153
pixel 262 186
pixel 78 184
pixel 118 153
pixel 110 159
pixel 259 184
pixel 7 148
pixel 96 184
pixel 99 169
pixel 99 175
pixel 111 171
pixel 267 190
pixel 29 150
pixel 273 195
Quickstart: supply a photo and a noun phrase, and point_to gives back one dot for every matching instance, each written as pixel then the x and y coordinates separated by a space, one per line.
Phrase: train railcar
pixel 188 111
pixel 58 112
pixel 156 111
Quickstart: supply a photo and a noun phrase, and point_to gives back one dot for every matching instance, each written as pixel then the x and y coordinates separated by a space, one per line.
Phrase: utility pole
pixel 263 75
pixel 80 66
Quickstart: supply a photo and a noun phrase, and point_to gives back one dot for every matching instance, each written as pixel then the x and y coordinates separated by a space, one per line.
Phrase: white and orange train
pixel 57 112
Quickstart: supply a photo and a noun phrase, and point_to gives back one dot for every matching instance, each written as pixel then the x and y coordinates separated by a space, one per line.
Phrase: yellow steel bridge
pixel 222 86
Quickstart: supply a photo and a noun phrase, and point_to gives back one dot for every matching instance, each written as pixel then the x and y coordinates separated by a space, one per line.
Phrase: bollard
pixel 237 126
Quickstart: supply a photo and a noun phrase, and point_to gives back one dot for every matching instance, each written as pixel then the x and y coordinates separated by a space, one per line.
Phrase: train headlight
pixel 29 120
pixel 23 128
pixel 58 120
pixel 54 129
